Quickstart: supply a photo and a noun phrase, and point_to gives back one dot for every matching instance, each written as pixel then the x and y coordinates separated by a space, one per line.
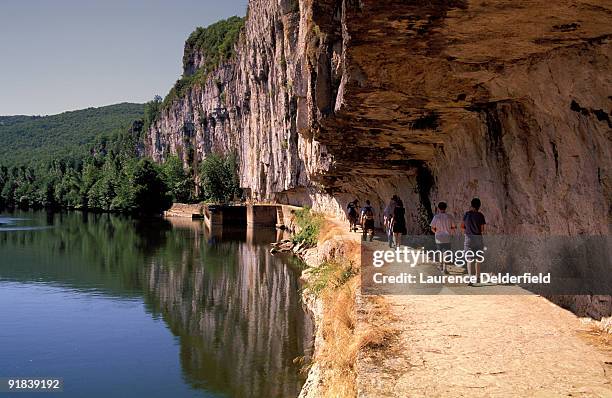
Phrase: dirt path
pixel 483 346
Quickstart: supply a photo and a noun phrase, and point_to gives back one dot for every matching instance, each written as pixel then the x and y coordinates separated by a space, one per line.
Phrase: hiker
pixel 443 226
pixel 353 215
pixel 367 221
pixel 473 228
pixel 398 222
pixel 387 216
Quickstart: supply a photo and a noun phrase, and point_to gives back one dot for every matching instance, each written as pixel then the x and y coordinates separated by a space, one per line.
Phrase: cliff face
pixel 327 100
pixel 251 105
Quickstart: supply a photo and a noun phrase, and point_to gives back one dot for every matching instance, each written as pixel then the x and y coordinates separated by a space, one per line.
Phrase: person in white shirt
pixel 443 226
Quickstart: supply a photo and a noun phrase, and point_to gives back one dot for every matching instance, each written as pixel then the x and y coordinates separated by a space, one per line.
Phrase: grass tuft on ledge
pixel 330 275
pixel 309 224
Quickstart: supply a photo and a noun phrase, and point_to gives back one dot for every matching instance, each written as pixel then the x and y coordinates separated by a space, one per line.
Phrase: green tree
pixel 150 190
pixel 178 181
pixel 68 191
pixel 103 191
pixel 219 178
pixel 125 200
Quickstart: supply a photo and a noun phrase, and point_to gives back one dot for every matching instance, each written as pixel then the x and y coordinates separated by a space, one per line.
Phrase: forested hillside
pixel 90 160
pixel 86 159
pixel 27 139
pixel 107 175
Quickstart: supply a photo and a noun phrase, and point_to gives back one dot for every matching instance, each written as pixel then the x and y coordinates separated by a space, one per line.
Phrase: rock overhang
pixel 413 70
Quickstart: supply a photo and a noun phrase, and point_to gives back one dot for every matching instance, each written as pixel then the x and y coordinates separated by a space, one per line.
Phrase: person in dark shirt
pixel 473 227
pixel 398 223
pixel 388 216
pixel 351 209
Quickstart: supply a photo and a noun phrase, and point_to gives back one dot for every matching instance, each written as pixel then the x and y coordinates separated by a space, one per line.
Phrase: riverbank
pixel 332 296
pixel 333 312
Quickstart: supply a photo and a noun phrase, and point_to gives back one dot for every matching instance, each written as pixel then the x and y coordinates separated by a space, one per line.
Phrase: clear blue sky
pixel 58 55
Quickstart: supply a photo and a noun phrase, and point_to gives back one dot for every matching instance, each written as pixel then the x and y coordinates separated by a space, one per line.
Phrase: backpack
pixel 368 213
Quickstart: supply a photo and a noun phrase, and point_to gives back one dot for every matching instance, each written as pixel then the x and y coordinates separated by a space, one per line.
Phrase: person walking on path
pixel 367 221
pixel 443 226
pixel 473 226
pixel 388 216
pixel 399 223
pixel 353 215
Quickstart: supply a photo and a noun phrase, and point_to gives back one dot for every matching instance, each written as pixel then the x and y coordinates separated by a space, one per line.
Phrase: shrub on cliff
pixel 219 178
pixel 309 224
pixel 151 111
pixel 330 275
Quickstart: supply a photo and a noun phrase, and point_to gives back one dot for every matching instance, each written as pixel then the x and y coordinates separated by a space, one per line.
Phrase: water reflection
pixel 234 308
pixel 237 315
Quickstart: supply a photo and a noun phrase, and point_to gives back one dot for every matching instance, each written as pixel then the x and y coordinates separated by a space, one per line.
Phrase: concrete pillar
pixel 262 215
pixel 213 215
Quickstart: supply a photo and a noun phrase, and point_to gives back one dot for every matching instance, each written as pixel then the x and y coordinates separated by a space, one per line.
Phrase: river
pixel 119 307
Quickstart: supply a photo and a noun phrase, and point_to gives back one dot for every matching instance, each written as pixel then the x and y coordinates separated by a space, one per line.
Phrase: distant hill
pixel 34 138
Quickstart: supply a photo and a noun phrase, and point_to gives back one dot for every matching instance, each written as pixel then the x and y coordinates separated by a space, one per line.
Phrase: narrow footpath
pixel 473 345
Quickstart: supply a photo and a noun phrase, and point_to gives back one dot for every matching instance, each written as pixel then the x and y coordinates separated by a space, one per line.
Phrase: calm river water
pixel 125 308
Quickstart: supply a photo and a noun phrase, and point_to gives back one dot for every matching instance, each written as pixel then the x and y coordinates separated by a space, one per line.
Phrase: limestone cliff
pixel 327 100
pixel 251 105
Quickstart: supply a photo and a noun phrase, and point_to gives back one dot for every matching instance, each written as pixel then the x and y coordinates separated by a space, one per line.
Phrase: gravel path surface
pixel 472 345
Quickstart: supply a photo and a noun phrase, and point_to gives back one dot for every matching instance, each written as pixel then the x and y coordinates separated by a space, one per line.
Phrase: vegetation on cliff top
pixel 216 44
